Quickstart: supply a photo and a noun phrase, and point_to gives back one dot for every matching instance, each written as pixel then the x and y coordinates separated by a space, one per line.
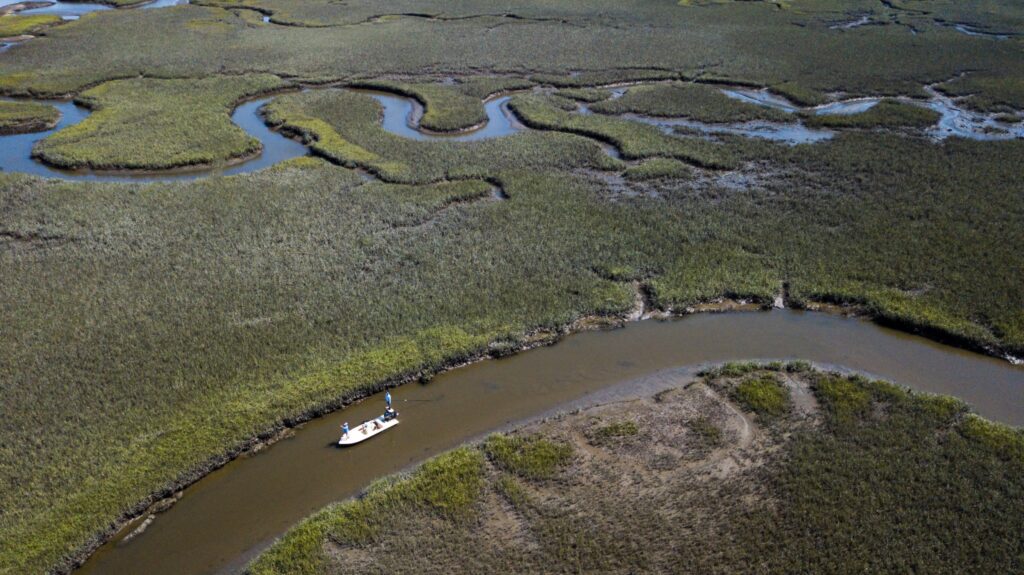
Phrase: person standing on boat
pixel 387 398
pixel 344 430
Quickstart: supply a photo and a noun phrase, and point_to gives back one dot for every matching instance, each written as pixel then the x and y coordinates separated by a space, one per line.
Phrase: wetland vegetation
pixel 720 475
pixel 19 117
pixel 12 25
pixel 151 330
pixel 150 124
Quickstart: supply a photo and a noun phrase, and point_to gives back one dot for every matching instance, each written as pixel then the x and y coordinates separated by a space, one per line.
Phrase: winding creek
pixel 75 10
pixel 229 516
pixel 16 151
pixel 954 119
pixel 226 518
pixel 401 117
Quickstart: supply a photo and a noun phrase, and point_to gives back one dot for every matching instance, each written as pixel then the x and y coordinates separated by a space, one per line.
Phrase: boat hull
pixel 366 431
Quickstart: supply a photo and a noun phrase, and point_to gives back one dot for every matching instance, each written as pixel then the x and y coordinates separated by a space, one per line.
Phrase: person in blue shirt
pixel 387 398
pixel 344 430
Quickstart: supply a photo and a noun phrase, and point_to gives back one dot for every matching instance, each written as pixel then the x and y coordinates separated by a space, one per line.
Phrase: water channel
pixel 401 116
pixel 75 10
pixel 225 519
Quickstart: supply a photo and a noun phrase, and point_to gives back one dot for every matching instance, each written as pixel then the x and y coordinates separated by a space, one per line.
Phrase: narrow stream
pixel 16 152
pixel 75 10
pixel 401 116
pixel 954 120
pixel 228 517
pixel 792 133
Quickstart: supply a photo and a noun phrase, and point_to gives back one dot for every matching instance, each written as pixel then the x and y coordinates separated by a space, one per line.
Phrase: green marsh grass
pixel 763 395
pixel 148 329
pixel 633 139
pixel 446 109
pixel 16 24
pixel 701 102
pixel 752 42
pixel 149 124
pixel 528 457
pixel 658 168
pixel 885 114
pixel 18 117
pixel 159 326
pixel 915 485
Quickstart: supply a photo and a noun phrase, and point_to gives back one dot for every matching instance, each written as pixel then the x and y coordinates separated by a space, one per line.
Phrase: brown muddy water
pixel 225 519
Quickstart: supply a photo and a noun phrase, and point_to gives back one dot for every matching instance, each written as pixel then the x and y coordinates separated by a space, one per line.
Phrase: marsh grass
pixel 446 108
pixel 885 114
pixel 988 92
pixel 615 431
pixel 657 169
pixel 909 482
pixel 344 127
pixel 558 44
pixel 763 395
pixel 844 399
pixel 584 94
pixel 19 117
pixel 16 24
pixel 148 124
pixel 529 457
pixel 635 140
pixel 701 102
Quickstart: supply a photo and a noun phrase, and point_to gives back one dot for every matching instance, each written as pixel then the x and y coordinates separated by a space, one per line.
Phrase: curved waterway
pixel 955 120
pixel 225 519
pixel 16 150
pixel 401 117
pixel 75 10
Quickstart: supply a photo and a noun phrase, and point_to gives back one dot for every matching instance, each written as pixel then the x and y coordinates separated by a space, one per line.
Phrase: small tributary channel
pixel 16 150
pixel 75 10
pixel 228 517
pixel 401 116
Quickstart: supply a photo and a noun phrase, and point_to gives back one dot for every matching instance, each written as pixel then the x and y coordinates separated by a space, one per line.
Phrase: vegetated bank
pixel 21 117
pixel 385 282
pixel 150 330
pixel 750 468
pixel 138 124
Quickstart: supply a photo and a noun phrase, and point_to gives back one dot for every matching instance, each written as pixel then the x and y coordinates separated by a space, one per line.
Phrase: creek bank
pixel 688 459
pixel 955 120
pixel 401 116
pixel 529 340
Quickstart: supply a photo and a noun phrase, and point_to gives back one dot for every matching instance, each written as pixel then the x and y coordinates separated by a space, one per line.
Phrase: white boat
pixel 367 430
